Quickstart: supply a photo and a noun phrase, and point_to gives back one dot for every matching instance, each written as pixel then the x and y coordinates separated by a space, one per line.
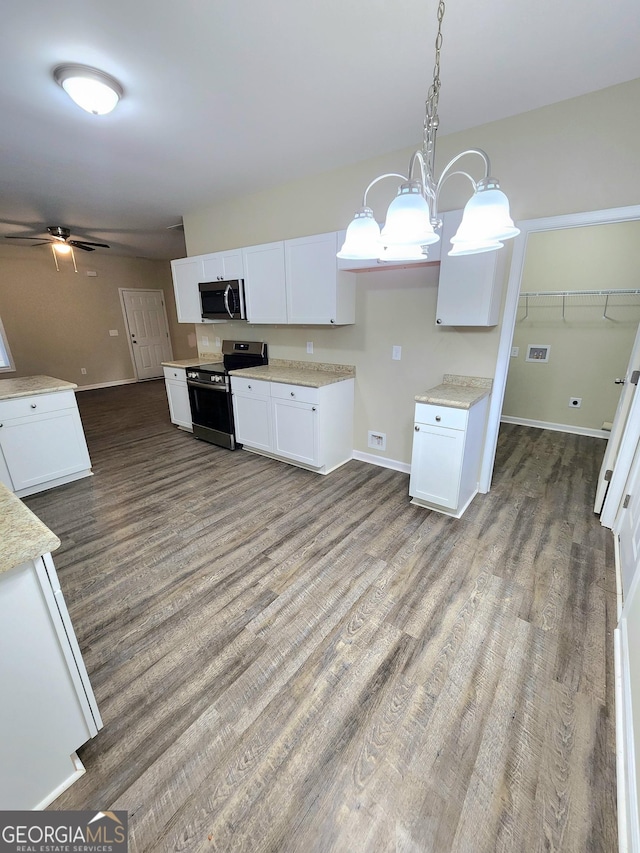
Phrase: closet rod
pixel 532 294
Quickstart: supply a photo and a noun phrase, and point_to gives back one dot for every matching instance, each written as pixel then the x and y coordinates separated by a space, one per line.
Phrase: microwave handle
pixel 226 300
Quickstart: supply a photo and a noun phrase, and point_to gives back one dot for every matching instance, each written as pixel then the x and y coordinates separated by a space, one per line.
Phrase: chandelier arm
pixel 478 151
pixel 445 177
pixel 379 178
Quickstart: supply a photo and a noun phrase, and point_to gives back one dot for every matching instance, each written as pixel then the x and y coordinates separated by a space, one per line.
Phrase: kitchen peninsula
pixel 48 709
pixel 42 441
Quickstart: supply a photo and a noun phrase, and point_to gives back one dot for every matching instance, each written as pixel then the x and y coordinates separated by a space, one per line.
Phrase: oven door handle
pixel 208 386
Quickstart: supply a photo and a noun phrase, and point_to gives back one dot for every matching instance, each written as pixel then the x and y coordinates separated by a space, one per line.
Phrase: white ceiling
pixel 226 97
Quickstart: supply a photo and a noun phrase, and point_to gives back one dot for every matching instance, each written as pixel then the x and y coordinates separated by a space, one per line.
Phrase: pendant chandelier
pixel 412 216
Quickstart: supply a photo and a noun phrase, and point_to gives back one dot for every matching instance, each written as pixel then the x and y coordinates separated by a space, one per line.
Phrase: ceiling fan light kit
pixel 412 216
pixel 95 91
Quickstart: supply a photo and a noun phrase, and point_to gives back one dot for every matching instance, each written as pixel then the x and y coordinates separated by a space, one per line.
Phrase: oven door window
pixel 210 407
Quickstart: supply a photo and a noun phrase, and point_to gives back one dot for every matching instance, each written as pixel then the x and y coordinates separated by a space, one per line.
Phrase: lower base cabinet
pixel 175 379
pixel 309 427
pixel 446 456
pixel 48 709
pixel 42 442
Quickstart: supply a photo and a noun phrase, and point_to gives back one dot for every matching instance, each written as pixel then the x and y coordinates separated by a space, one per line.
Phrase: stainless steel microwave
pixel 222 300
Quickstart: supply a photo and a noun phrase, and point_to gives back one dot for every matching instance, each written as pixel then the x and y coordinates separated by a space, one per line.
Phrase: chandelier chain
pixel 431 120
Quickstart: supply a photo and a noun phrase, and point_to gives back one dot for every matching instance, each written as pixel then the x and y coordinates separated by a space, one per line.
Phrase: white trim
pixel 382 462
pixel 528 226
pixel 595 433
pixel 623 829
pixel 5 350
pixel 78 771
pixel 108 384
pixel 628 830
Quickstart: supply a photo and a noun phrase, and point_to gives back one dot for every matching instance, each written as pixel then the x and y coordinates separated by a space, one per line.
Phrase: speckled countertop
pixel 312 374
pixel 186 362
pixel 457 392
pixel 28 385
pixel 22 535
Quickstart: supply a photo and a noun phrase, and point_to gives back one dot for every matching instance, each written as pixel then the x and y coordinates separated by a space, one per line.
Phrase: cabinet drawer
pixel 441 416
pixel 249 386
pixel 175 374
pixel 36 404
pixel 300 393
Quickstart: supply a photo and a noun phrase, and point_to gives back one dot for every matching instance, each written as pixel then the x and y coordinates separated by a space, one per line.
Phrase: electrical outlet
pixel 515 352
pixel 575 402
pixel 91 273
pixel 83 371
pixel 218 343
pixel 396 353
pixel 205 341
pixel 309 347
pixel 377 440
pixel 113 333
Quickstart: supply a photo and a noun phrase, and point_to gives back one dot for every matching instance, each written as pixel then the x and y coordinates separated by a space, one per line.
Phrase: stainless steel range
pixel 209 389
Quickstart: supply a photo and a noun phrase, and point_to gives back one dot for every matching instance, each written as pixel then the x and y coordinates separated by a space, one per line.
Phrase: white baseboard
pixel 595 433
pixel 382 461
pixel 107 384
pixel 628 830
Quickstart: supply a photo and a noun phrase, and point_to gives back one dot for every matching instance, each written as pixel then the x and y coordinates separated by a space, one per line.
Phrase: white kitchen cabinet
pixel 309 427
pixel 42 442
pixel 317 292
pixel 222 266
pixel 252 413
pixel 175 379
pixel 446 456
pixel 264 283
pixel 48 708
pixel 469 286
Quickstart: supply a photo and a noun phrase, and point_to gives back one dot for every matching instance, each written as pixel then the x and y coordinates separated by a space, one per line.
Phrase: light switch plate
pixel 309 347
pixel 205 341
pixel 515 352
pixel 113 333
pixel 396 353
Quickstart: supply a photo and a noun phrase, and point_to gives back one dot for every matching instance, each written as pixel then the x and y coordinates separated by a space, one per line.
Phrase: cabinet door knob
pixel 333 321
pixel 439 321
pixel 249 387
pixel 417 428
pixel 292 394
pixel 313 408
pixel 33 406
pixel 438 418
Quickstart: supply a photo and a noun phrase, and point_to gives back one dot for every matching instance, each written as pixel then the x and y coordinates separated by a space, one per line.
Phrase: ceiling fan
pixel 59 235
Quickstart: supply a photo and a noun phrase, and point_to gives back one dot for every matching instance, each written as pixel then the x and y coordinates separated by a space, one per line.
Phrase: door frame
pixel 121 292
pixel 530 226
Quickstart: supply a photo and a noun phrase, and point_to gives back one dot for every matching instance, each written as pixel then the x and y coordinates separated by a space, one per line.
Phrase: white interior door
pixel 148 330
pixel 627 525
pixel 619 424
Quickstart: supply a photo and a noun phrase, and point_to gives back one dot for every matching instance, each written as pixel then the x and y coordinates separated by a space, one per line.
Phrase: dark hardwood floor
pixel 289 662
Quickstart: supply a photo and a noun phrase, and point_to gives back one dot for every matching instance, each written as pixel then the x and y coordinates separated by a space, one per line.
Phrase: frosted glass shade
pixel 93 90
pixel 362 241
pixel 61 248
pixel 408 220
pixel 395 253
pixel 486 217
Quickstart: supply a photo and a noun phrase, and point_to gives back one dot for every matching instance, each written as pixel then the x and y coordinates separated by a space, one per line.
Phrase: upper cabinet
pixel 187 273
pixel 469 286
pixel 264 283
pixel 222 266
pixel 317 292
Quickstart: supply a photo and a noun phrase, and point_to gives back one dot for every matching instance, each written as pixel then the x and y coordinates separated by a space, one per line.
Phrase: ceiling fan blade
pixel 82 244
pixel 43 243
pixel 77 245
pixel 11 237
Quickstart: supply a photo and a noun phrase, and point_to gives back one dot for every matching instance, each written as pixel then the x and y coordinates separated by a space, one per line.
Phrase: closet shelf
pixel 534 293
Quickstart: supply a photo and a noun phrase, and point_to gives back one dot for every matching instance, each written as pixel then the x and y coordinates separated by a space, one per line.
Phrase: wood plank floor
pixel 289 662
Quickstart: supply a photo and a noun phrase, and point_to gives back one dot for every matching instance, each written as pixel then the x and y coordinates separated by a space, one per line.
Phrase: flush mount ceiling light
pixel 93 90
pixel 412 216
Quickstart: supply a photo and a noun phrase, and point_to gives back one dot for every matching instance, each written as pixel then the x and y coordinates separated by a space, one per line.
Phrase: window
pixel 6 361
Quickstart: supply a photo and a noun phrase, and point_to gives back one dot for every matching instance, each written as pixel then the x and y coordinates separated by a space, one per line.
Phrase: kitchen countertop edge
pixel 27 386
pixel 23 536
pixel 294 375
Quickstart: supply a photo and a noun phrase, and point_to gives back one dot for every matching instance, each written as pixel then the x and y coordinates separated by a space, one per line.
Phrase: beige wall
pixel 574 156
pixel 587 351
pixel 58 322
